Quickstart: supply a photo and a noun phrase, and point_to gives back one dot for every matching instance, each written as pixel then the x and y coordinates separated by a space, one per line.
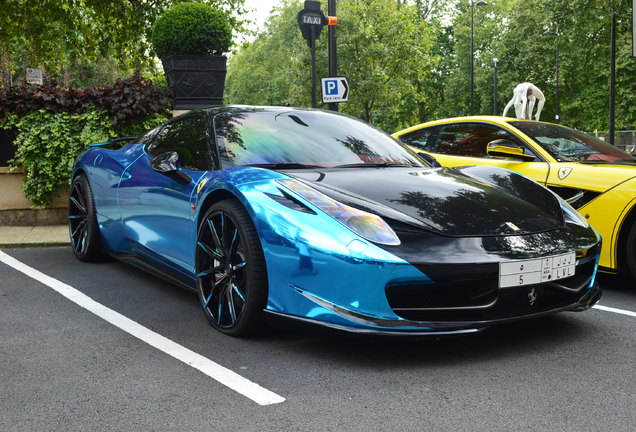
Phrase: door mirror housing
pixel 429 159
pixel 507 149
pixel 168 164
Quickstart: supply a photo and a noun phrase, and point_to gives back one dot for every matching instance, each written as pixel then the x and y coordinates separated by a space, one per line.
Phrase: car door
pixel 156 208
pixel 465 143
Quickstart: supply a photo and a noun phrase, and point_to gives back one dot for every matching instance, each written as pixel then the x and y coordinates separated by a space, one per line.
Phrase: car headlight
pixel 571 215
pixel 371 227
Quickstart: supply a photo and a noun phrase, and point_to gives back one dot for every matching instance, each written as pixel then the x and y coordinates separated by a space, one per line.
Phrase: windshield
pixel 303 138
pixel 569 145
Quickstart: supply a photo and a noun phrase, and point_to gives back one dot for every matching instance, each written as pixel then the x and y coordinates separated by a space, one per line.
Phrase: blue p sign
pixel 335 89
pixel 331 87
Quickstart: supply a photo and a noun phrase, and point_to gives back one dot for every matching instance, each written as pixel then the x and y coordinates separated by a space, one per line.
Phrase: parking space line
pixel 611 309
pixel 230 379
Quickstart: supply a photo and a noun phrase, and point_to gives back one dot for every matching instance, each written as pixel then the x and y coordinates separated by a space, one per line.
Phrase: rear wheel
pixel 82 221
pixel 231 273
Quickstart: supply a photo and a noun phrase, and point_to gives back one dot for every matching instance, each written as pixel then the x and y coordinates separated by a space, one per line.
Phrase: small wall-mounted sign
pixel 34 76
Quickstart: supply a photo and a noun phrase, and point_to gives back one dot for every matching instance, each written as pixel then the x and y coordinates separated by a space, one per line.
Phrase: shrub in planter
pixel 192 28
pixel 190 39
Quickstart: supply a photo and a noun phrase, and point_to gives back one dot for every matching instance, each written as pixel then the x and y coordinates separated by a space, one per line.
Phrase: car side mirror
pixel 168 164
pixel 429 159
pixel 507 149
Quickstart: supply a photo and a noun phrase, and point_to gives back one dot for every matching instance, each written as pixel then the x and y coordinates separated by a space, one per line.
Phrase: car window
pixel 422 139
pixel 471 139
pixel 188 138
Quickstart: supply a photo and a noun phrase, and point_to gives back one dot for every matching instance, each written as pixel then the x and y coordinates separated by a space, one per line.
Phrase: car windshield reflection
pixel 569 145
pixel 297 139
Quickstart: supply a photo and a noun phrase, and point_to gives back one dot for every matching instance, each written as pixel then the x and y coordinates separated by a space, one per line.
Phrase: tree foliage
pixel 412 64
pixel 54 34
pixel 385 60
pixel 513 32
pixel 406 60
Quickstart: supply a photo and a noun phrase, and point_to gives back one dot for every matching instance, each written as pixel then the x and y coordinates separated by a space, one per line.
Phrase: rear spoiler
pixel 115 141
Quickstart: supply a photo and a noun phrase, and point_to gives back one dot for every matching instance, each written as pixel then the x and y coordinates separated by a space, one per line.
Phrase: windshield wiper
pixel 284 165
pixel 366 165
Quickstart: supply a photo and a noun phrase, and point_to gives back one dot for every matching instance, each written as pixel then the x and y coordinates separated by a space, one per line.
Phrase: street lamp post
pixel 612 100
pixel 472 52
pixel 556 62
pixel 494 87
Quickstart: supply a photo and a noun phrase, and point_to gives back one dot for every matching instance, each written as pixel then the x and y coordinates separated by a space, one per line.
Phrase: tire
pixel 82 222
pixel 231 271
pixel 630 252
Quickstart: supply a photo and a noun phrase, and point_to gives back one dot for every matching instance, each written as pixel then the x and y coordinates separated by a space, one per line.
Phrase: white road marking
pixel 611 309
pixel 231 379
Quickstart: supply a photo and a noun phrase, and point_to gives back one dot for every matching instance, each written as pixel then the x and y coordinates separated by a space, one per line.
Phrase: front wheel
pixel 231 272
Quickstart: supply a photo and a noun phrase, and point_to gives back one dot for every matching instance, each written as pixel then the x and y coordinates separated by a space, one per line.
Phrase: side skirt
pixel 172 276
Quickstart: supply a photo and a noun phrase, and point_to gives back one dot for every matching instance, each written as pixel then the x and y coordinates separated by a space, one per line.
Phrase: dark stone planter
pixel 197 81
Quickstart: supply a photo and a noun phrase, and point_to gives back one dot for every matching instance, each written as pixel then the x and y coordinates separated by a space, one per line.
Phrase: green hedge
pixel 47 144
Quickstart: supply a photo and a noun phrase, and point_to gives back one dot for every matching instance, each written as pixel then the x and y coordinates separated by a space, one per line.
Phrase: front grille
pixel 477 297
pixel 449 295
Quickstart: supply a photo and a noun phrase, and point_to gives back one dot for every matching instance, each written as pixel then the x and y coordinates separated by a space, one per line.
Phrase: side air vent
pixel 583 198
pixel 290 202
pixel 577 198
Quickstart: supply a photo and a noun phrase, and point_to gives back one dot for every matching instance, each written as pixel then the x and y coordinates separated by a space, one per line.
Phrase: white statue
pixel 525 96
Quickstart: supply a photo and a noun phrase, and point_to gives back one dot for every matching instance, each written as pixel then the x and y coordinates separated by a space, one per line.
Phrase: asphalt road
pixel 65 368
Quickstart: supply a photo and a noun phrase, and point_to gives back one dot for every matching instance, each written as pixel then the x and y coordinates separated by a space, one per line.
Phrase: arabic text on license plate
pixel 533 271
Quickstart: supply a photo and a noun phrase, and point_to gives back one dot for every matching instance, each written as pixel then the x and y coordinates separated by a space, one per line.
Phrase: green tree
pixel 513 32
pixel 383 50
pixel 270 70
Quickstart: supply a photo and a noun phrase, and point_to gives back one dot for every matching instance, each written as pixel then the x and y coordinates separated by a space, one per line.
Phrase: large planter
pixel 196 80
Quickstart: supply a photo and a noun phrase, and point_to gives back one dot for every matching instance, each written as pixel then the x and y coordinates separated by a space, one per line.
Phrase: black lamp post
pixel 332 50
pixel 472 52
pixel 494 87
pixel 556 56
pixel 612 100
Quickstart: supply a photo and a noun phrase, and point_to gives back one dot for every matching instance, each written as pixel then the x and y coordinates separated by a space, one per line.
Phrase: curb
pixel 34 236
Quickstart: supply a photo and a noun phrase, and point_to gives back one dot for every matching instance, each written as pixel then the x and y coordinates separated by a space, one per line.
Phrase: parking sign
pixel 335 89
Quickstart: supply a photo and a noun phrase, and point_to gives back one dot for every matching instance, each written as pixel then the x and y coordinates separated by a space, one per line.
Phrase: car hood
pixel 467 201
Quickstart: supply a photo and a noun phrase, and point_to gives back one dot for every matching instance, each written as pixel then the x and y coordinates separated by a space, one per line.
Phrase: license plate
pixel 534 271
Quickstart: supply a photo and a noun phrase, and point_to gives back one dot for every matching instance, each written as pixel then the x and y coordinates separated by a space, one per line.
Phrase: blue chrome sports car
pixel 319 217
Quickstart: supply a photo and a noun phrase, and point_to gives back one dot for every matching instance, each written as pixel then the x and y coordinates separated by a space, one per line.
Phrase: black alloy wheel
pixel 82 221
pixel 231 272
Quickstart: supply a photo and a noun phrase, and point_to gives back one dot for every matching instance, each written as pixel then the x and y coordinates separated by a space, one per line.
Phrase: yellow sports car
pixel 597 179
